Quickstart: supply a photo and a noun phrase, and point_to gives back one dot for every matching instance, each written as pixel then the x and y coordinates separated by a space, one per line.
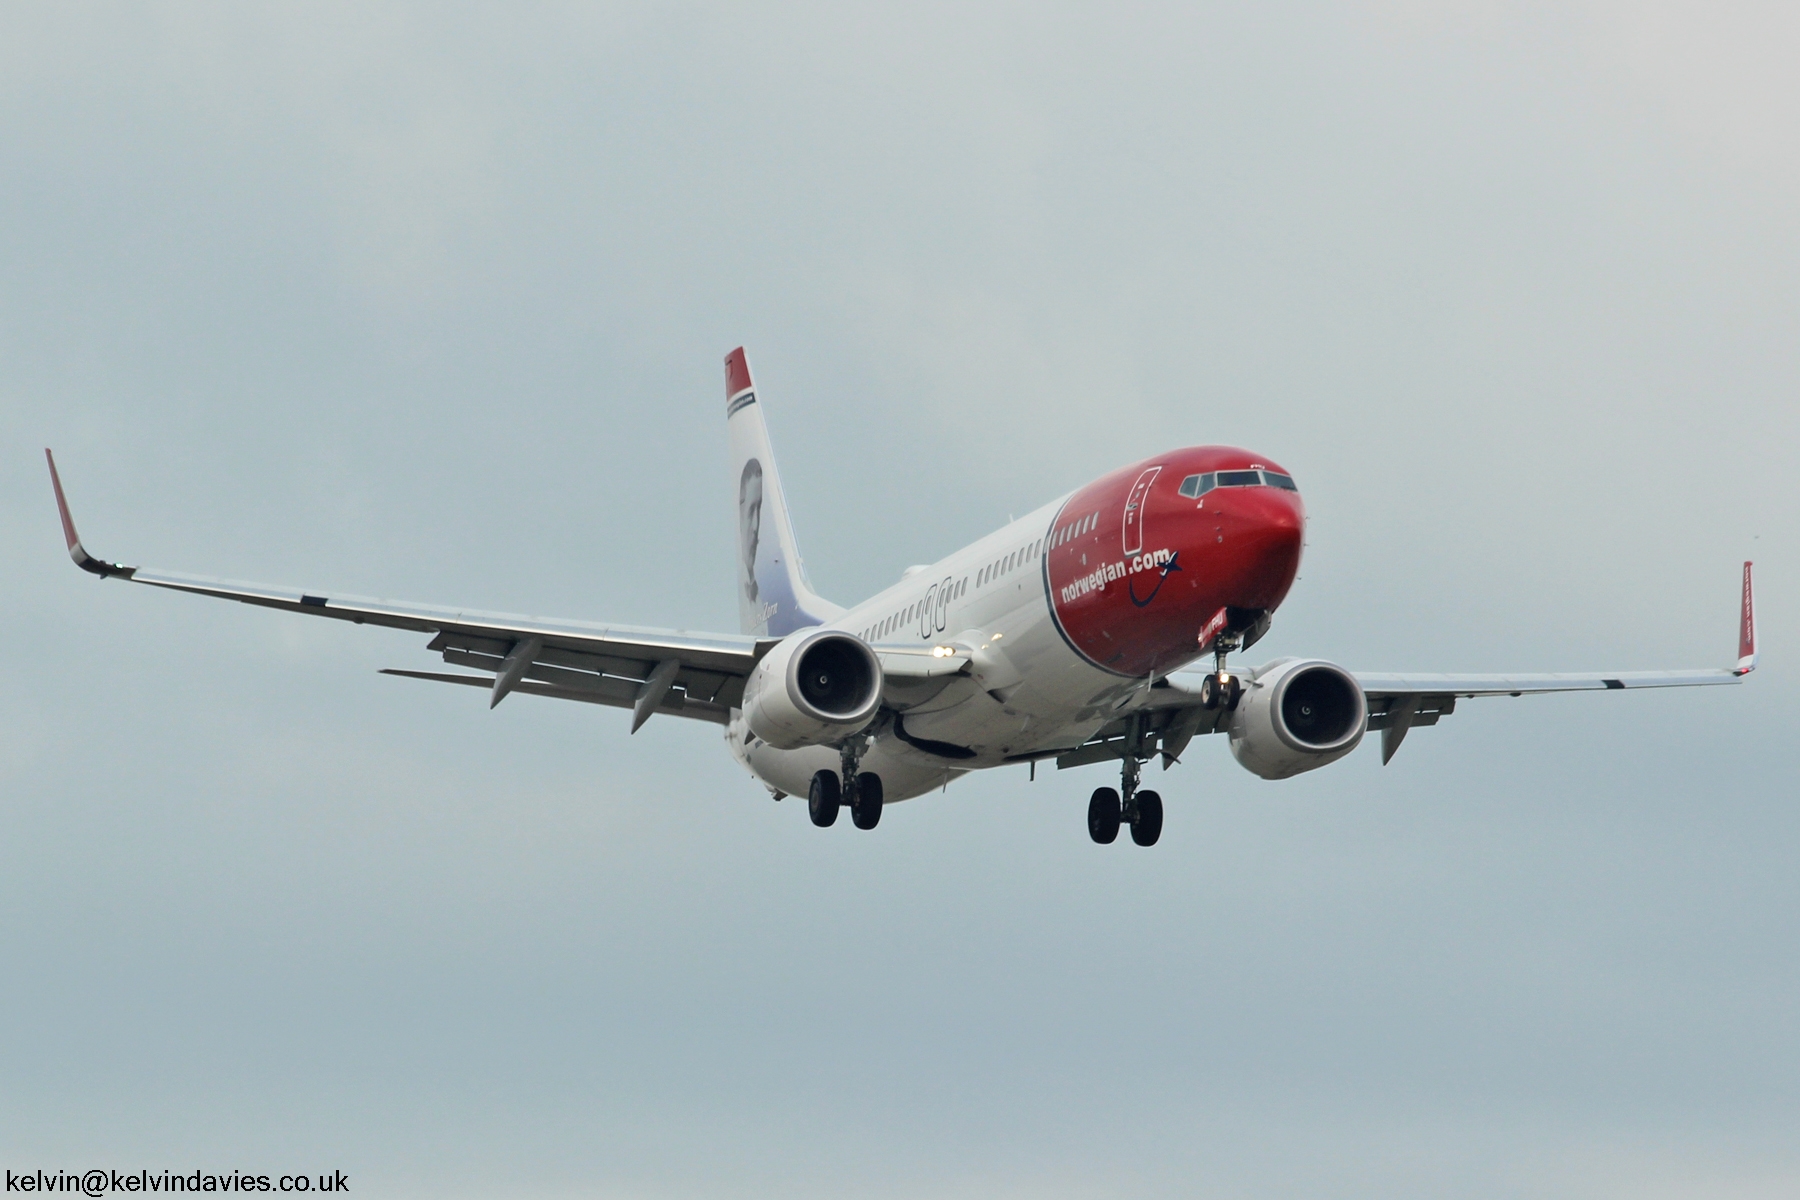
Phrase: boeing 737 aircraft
pixel 1093 629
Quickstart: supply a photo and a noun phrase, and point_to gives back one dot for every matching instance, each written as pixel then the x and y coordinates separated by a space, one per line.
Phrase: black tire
pixel 1103 815
pixel 865 809
pixel 823 798
pixel 1146 825
pixel 1209 692
pixel 1234 695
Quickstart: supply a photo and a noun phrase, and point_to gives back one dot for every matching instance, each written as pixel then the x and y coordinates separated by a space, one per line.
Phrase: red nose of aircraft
pixel 1250 541
pixel 1144 559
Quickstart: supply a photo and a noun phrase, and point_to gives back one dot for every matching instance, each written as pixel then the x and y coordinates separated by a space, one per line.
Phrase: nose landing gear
pixel 1221 689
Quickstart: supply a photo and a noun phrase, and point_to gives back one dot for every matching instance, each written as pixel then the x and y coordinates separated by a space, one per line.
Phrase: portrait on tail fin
pixel 750 499
pixel 773 597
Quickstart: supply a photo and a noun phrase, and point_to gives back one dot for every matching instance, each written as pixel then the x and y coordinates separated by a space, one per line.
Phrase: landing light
pixel 943 651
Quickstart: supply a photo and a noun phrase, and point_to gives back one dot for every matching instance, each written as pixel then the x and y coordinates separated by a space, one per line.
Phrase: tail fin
pixel 774 598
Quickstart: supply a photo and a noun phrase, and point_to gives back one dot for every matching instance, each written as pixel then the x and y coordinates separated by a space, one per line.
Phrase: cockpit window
pixel 1198 485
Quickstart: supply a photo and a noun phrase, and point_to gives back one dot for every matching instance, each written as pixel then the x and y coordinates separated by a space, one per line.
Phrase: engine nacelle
pixel 1296 716
pixel 817 686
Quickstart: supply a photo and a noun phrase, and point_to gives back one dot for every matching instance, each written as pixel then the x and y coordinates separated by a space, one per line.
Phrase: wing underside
pixel 1171 714
pixel 694 675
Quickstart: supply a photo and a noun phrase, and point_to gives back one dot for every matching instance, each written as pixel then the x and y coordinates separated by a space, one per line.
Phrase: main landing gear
pixel 823 798
pixel 1141 810
pixel 859 790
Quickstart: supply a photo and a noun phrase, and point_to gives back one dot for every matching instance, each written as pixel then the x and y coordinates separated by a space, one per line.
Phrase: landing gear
pixel 1222 689
pixel 859 791
pixel 1143 811
pixel 823 798
pixel 865 801
pixel 1146 821
pixel 1103 815
pixel 1216 693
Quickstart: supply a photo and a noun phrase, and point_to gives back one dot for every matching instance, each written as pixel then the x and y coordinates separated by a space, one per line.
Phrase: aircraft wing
pixel 649 671
pixel 1170 714
pixel 1397 702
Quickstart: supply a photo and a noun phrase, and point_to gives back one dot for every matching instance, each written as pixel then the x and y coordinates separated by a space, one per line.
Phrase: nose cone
pixel 1258 534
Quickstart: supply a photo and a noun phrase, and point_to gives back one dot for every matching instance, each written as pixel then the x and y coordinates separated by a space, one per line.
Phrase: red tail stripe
pixel 737 373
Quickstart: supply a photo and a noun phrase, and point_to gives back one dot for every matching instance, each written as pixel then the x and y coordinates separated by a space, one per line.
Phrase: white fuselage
pixel 1027 691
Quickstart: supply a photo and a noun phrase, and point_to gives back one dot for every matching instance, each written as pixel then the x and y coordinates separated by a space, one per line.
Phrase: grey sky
pixel 430 303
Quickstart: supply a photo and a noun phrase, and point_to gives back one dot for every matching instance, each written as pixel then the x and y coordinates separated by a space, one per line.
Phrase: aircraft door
pixel 1134 510
pixel 943 604
pixel 926 610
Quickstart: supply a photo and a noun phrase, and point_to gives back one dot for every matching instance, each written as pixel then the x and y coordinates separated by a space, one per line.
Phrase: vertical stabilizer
pixel 773 596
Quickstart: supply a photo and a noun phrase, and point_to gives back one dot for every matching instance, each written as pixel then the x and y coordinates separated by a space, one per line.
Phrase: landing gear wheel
pixel 1103 815
pixel 1233 694
pixel 865 806
pixel 1146 822
pixel 822 798
pixel 1209 692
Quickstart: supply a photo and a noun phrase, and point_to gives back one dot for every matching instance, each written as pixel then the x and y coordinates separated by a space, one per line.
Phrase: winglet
pixel 83 559
pixel 1747 628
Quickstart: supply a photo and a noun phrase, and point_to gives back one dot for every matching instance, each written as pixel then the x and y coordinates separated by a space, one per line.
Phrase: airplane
pixel 1094 629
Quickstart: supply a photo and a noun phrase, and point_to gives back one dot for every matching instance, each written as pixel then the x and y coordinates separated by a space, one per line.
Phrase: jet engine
pixel 1297 715
pixel 816 686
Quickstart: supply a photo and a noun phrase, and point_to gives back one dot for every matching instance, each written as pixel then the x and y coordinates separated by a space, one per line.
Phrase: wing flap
pixel 613 693
pixel 1427 710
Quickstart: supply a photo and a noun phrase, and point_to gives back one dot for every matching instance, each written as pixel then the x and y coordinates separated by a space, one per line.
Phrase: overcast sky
pixel 429 302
